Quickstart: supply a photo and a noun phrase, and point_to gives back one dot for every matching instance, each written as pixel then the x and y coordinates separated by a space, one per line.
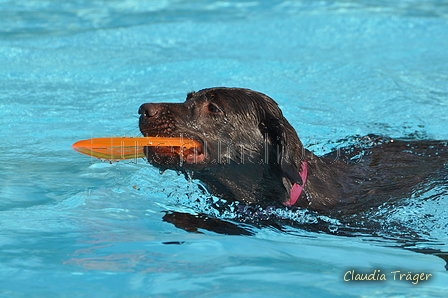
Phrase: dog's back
pixel 379 169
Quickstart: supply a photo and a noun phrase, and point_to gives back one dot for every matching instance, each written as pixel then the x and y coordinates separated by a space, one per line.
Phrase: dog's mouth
pixel 193 155
pixel 176 155
pixel 153 123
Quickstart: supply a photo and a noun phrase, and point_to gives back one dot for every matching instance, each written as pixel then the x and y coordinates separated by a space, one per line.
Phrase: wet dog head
pixel 249 152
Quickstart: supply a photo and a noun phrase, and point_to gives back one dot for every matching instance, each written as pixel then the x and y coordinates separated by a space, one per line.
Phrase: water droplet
pixel 332 228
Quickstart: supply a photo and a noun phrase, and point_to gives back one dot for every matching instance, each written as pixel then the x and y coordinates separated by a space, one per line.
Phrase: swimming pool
pixel 71 226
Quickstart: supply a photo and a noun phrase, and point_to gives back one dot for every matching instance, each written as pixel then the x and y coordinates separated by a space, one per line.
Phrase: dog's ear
pixel 283 139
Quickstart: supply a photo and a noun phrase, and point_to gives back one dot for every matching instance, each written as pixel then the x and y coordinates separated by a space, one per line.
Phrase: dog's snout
pixel 149 110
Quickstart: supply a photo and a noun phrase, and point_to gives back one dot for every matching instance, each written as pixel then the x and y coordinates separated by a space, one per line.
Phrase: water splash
pixel 198 200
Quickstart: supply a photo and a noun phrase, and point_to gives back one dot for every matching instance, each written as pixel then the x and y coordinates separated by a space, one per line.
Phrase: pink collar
pixel 297 189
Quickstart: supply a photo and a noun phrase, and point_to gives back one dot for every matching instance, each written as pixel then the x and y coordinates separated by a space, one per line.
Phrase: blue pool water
pixel 72 226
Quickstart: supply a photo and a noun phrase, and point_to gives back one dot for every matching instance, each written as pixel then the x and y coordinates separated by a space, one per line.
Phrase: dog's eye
pixel 213 108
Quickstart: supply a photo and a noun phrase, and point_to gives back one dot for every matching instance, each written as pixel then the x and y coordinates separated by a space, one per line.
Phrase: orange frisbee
pixel 126 147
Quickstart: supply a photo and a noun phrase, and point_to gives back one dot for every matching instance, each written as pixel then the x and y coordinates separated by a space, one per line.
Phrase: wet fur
pixel 252 155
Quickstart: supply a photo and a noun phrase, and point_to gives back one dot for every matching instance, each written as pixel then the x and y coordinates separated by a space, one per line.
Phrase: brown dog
pixel 251 154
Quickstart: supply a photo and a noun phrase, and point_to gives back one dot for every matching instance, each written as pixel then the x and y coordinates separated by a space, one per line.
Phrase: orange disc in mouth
pixel 115 148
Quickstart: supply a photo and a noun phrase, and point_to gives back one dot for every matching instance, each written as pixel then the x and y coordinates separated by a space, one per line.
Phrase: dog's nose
pixel 149 110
